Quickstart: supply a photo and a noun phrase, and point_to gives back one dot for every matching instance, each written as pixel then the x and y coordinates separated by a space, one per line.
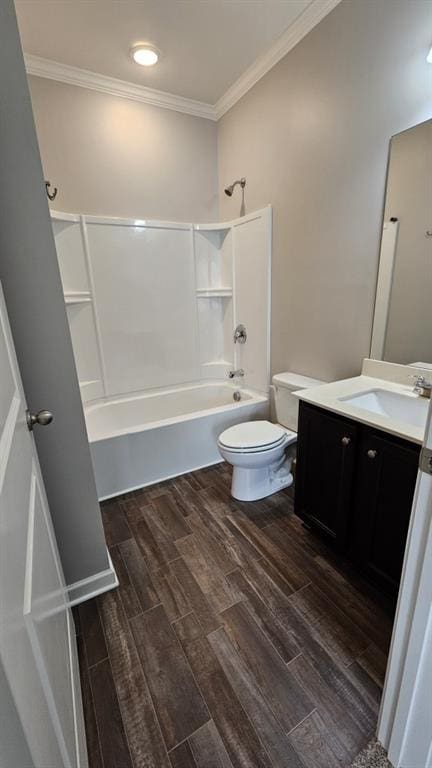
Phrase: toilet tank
pixel 286 405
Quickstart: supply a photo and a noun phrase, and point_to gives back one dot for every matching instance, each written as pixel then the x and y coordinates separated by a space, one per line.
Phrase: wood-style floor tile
pixel 239 737
pixel 127 591
pixel 338 633
pixel 115 524
pixel 171 593
pixel 311 741
pixel 166 671
pixel 112 736
pixel 287 698
pixel 282 640
pixel 156 549
pixel 206 572
pixel 208 748
pixel 286 567
pixel 236 639
pixel 167 517
pixel 139 575
pixel 374 662
pixel 93 745
pixel 142 728
pixel 92 633
pixel 182 757
pixel 256 706
pixel 195 597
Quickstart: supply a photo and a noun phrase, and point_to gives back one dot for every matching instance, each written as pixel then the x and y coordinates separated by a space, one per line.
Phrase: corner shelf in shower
pixel 77 297
pixel 211 293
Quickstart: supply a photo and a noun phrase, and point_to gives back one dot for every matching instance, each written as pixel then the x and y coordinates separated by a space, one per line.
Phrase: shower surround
pixel 152 308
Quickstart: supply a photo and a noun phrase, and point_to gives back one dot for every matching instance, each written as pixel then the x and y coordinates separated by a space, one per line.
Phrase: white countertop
pixel 328 396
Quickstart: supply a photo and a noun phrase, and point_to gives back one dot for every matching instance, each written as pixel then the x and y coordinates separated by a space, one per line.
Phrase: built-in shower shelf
pixel 211 293
pixel 215 363
pixel 212 227
pixel 77 297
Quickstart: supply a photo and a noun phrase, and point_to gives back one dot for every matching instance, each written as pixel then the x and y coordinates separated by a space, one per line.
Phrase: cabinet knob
pixel 371 454
pixel 346 441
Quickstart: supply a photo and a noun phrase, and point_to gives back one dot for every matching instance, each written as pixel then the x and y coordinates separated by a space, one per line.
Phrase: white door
pixel 405 726
pixel 37 641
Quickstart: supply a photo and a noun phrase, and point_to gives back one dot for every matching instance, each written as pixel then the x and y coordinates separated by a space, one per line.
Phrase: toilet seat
pixel 254 437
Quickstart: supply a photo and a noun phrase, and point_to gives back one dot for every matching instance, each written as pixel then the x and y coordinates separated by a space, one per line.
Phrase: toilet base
pixel 254 484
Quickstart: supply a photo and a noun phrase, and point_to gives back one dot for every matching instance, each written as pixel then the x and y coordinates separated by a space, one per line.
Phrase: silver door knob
pixel 43 418
pixel 371 454
pixel 346 441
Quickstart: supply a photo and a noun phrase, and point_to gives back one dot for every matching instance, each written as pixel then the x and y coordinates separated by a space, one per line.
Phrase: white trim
pixel 384 287
pixel 60 216
pixel 401 727
pixel 84 78
pixel 119 222
pixel 94 585
pixel 65 73
pixel 300 27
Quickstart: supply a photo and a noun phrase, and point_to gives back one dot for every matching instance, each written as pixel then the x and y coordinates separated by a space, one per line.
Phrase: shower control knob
pixel 345 441
pixel 43 418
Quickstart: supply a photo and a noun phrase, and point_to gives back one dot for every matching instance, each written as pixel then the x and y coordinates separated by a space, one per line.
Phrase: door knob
pixel 41 417
pixel 345 441
pixel 371 454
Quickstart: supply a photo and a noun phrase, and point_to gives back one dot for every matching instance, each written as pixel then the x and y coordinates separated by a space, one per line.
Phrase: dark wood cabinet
pixel 355 484
pixel 325 469
pixel 386 475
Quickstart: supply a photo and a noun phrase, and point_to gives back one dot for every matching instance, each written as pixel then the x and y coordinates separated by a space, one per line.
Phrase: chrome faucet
pixel 238 372
pixel 422 387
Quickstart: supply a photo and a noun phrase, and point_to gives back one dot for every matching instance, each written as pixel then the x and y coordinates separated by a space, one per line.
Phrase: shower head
pixel 229 190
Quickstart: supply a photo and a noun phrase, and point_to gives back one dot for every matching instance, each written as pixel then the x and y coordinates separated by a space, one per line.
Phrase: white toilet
pixel 258 451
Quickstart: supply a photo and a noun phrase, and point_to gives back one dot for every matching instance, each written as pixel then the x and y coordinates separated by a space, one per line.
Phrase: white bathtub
pixel 143 439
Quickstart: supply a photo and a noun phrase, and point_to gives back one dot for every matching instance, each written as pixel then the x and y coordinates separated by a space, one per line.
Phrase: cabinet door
pixel 387 471
pixel 325 469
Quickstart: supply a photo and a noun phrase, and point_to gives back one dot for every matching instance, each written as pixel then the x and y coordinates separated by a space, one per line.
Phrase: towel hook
pixel 51 195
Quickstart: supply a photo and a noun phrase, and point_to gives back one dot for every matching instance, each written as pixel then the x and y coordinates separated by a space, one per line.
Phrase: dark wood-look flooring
pixel 236 639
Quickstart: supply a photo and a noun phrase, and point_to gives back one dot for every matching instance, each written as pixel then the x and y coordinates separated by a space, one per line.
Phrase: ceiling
pixel 206 45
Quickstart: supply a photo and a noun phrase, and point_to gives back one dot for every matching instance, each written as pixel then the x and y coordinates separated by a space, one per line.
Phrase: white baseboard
pixel 92 586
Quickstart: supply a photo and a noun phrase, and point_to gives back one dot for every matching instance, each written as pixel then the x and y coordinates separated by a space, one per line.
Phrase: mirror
pixel 402 329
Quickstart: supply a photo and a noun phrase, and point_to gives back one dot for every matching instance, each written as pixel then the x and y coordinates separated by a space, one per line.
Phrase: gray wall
pixel 312 138
pixel 115 157
pixel 34 297
pixel 409 198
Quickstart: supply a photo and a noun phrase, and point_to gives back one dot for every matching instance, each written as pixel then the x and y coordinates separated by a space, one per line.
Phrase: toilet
pixel 259 450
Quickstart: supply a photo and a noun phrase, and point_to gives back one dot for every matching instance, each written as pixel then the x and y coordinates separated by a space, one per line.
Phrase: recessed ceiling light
pixel 145 54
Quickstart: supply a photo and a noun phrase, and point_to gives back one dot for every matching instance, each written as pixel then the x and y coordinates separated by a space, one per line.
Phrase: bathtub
pixel 145 438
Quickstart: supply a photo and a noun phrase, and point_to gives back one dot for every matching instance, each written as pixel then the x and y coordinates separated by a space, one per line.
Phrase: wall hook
pixel 51 195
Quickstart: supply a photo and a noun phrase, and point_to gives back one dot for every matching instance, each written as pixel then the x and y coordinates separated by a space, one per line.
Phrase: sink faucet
pixel 422 387
pixel 238 372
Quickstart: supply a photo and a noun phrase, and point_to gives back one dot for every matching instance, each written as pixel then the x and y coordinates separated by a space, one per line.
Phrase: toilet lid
pixel 252 434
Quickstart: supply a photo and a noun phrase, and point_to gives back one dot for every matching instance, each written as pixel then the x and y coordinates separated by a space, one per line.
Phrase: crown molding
pixel 303 24
pixel 65 73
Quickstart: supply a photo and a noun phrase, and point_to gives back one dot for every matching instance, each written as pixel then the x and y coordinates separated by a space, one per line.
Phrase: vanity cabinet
pixel 355 484
pixel 326 449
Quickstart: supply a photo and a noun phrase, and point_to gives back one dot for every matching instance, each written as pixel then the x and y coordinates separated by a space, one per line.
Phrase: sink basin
pixel 409 409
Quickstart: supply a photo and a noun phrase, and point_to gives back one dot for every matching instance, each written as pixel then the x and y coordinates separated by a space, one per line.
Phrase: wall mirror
pixel 402 329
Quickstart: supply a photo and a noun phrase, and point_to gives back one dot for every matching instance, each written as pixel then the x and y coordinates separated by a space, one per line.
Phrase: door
pixel 37 641
pixel 404 726
pixel 30 277
pixel 325 470
pixel 384 490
